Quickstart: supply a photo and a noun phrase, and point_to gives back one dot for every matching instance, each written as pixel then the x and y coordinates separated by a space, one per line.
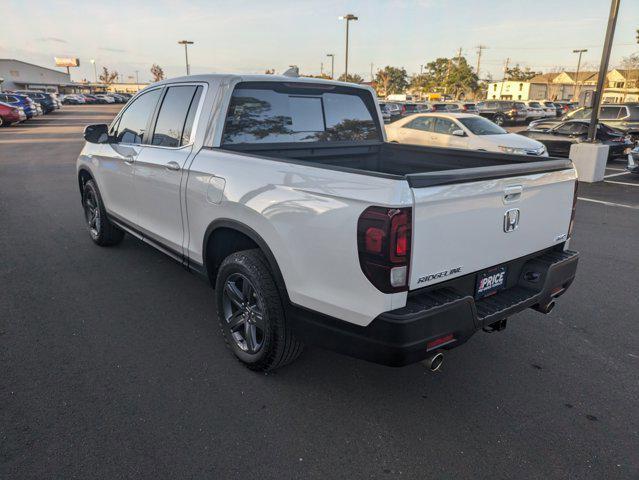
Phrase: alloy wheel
pixel 243 313
pixel 92 212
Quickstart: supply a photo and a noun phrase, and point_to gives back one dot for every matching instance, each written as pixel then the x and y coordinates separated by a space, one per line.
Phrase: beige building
pixel 551 86
pixel 623 86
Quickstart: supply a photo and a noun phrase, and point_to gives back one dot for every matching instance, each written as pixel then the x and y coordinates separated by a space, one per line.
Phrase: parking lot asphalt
pixel 112 366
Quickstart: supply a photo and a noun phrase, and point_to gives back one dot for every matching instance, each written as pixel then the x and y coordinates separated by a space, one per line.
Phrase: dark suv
pixel 503 111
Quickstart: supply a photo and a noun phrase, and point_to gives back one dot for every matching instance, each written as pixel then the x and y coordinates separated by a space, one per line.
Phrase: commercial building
pixel 19 75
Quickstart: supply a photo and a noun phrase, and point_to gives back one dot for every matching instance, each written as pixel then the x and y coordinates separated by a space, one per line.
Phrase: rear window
pixel 549 104
pixel 534 104
pixel 274 113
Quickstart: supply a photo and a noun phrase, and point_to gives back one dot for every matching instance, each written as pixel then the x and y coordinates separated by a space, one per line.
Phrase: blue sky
pixel 250 35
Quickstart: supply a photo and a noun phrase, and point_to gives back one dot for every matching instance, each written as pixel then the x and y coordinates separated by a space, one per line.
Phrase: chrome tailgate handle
pixel 513 193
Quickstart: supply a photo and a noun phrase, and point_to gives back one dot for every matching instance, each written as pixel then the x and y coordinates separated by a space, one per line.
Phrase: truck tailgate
pixel 461 228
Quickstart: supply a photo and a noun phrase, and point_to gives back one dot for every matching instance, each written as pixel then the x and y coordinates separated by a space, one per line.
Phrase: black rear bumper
pixel 400 337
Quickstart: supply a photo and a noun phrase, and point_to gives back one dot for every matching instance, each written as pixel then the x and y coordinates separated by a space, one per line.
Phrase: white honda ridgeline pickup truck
pixel 312 228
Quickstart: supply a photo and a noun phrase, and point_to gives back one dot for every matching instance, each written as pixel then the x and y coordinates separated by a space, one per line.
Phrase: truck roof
pixel 236 78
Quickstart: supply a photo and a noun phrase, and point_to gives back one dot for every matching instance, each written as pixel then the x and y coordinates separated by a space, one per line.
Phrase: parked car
pixel 17 100
pixel 46 100
pixel 535 110
pixel 502 112
pixel 10 114
pixel 566 106
pixel 73 99
pixel 394 109
pixel 386 116
pixel 104 98
pixel 551 110
pixel 90 99
pixel 621 116
pixel 314 229
pixel 467 107
pixel 119 98
pixel 561 137
pixel 633 160
pixel 408 108
pixel 461 130
pixel 443 107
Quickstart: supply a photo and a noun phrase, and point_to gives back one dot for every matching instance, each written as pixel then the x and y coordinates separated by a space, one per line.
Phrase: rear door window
pixel 171 120
pixel 445 126
pixel 133 122
pixel 272 112
pixel 425 124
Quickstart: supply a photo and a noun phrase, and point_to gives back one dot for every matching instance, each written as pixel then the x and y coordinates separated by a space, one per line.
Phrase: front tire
pixel 499 120
pixel 251 314
pixel 102 231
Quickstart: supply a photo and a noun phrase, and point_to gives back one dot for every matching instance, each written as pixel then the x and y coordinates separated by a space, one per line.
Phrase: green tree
pixel 421 83
pixel 452 75
pixel 391 80
pixel 351 78
pixel 516 73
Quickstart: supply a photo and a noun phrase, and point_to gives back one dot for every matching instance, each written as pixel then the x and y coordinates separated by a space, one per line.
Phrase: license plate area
pixel 490 282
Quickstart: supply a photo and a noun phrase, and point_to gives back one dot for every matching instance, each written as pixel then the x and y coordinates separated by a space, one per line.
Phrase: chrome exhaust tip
pixel 545 309
pixel 434 361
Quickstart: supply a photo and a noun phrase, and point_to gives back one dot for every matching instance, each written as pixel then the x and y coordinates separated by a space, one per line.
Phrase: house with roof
pixel 623 86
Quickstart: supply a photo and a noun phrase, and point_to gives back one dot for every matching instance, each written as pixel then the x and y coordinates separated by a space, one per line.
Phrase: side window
pixel 171 121
pixel 567 128
pixel 623 113
pixel 133 121
pixel 609 113
pixel 424 124
pixel 445 126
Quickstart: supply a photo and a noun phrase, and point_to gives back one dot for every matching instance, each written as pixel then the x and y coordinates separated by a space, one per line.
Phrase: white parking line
pixel 622 183
pixel 616 169
pixel 633 207
pixel 616 174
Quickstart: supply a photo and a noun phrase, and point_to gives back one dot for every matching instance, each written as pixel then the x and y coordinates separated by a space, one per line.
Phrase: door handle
pixel 174 166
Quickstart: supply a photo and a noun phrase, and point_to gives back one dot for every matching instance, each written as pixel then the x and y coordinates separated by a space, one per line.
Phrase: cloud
pixel 115 50
pixel 51 39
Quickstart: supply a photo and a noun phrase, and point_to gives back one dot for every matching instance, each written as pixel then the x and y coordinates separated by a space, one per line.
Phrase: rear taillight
pixel 574 210
pixel 384 243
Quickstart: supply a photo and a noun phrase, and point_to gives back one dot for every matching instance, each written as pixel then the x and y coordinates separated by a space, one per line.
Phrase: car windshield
pixel 481 126
pixel 534 104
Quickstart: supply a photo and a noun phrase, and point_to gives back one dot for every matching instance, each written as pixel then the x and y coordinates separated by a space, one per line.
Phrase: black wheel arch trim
pixel 253 235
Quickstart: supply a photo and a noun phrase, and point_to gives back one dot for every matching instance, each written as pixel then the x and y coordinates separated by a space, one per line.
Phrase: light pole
pixel 576 93
pixel 603 69
pixel 332 55
pixel 348 17
pixel 137 77
pixel 95 70
pixel 186 43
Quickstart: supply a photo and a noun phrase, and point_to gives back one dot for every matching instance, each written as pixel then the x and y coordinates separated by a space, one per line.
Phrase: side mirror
pixel 97 133
pixel 459 133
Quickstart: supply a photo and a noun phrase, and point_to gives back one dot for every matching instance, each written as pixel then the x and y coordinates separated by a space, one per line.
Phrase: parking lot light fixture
pixel 332 55
pixel 186 43
pixel 348 17
pixel 95 70
pixel 576 91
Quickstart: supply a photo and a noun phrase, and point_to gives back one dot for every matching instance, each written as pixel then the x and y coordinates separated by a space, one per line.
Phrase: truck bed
pixel 421 166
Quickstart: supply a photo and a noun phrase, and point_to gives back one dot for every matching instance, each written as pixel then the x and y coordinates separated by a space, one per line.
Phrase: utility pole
pixel 348 17
pixel 371 71
pixel 321 69
pixel 459 55
pixel 332 55
pixel 603 69
pixel 501 87
pixel 186 43
pixel 137 78
pixel 421 69
pixel 95 70
pixel 575 96
pixel 479 50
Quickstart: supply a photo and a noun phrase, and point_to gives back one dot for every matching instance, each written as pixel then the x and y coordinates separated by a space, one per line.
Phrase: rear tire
pixel 102 231
pixel 499 120
pixel 251 313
